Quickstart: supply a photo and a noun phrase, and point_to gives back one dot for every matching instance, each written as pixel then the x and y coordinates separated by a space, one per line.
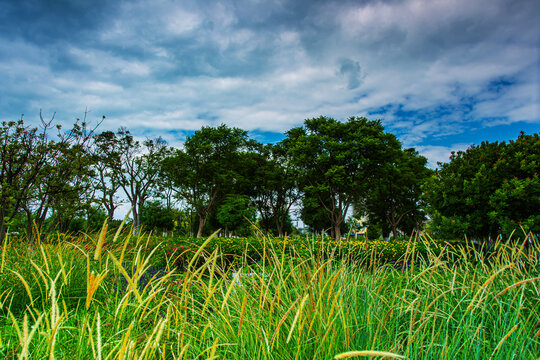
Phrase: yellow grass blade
pixel 25 337
pixel 98 328
pixel 101 240
pixel 151 339
pixel 519 283
pixel 44 258
pixel 370 353
pixel 17 328
pixel 93 284
pixel 61 261
pixel 228 293
pixel 296 317
pixel 41 274
pixel 281 321
pixel 200 249
pixel 213 350
pixel 504 339
pixel 128 278
pixel 126 242
pixel 121 225
pixel 27 288
pixel 123 348
pixel 52 337
pixel 4 246
pixel 242 313
pixel 484 286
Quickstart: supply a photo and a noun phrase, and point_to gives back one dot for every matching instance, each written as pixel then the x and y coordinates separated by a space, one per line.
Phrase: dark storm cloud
pixel 428 69
pixel 45 22
pixel 352 71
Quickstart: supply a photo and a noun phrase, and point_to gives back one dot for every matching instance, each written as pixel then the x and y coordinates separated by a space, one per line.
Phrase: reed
pixel 80 299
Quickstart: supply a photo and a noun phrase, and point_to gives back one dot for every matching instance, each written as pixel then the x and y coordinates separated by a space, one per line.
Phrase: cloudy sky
pixel 440 74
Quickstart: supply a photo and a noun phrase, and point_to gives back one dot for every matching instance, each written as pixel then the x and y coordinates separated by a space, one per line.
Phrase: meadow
pixel 115 295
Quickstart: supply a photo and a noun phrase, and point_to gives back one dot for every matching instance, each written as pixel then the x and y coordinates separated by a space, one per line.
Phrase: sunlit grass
pixel 126 297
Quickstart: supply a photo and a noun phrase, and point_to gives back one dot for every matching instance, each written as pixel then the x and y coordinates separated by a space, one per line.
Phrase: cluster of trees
pixel 45 174
pixel 221 177
pixel 488 190
pixel 326 167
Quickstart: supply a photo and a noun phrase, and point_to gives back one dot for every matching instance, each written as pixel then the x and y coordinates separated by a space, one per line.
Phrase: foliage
pixel 42 176
pixel 314 215
pixel 269 226
pixel 140 168
pixel 352 248
pixel 394 198
pixel 108 154
pixel 487 190
pixel 275 178
pixel 56 181
pixel 234 212
pixel 208 165
pixel 92 222
pixel 155 216
pixel 23 154
pixel 338 159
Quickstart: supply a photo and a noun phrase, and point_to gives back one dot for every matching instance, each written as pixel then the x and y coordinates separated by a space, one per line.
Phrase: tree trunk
pixel 39 220
pixel 29 228
pixel 337 232
pixel 202 222
pixel 394 233
pixel 385 232
pixel 111 215
pixel 337 227
pixel 135 217
pixel 2 231
pixel 279 226
pixel 109 206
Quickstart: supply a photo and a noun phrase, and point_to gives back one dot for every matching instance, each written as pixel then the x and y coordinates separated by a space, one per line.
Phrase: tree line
pixel 52 178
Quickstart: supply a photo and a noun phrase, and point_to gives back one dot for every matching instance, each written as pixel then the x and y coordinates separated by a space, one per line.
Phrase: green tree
pixel 69 175
pixel 313 214
pixel 139 173
pixel 488 190
pixel 41 173
pixel 93 221
pixel 23 152
pixel 516 201
pixel 108 166
pixel 337 160
pixel 275 178
pixel 395 195
pixel 234 212
pixel 155 216
pixel 206 167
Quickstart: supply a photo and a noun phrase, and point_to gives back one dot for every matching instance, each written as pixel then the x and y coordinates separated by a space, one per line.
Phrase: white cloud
pixel 179 21
pixel 436 154
pixel 424 67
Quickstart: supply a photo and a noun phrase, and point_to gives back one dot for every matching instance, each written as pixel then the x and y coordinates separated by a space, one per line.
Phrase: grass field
pixel 126 297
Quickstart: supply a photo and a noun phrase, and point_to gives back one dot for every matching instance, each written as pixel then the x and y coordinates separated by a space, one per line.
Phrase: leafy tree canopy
pixel 208 165
pixel 338 159
pixel 156 216
pixel 235 211
pixel 395 196
pixel 488 190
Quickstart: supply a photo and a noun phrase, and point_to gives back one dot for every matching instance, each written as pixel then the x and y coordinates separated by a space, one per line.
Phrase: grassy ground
pixel 126 298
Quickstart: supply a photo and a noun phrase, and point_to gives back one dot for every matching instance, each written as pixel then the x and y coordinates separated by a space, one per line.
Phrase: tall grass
pixel 104 298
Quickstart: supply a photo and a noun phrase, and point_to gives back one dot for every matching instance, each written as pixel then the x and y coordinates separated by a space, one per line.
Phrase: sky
pixel 440 74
